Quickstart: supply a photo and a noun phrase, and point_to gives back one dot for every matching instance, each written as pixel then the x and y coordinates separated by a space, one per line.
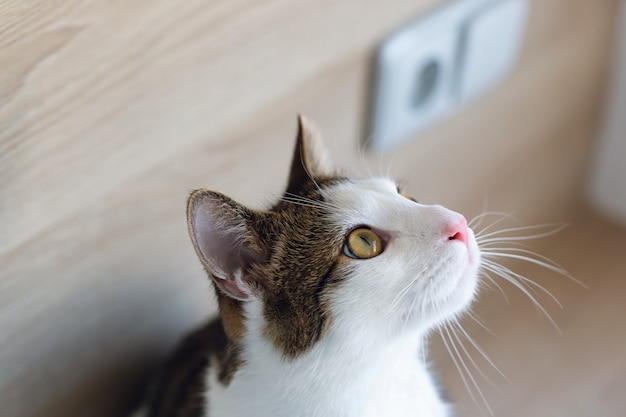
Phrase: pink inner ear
pixel 220 240
pixel 234 287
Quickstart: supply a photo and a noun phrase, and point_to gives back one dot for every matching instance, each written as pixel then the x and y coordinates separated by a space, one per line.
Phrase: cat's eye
pixel 363 243
pixel 408 197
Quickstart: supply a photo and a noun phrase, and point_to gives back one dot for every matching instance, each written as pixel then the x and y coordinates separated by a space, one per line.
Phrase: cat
pixel 325 299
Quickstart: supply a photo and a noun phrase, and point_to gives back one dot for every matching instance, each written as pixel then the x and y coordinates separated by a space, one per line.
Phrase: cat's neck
pixel 338 376
pixel 342 343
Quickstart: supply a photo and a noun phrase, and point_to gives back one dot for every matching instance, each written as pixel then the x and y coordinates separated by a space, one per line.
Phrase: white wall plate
pixel 425 71
pixel 608 181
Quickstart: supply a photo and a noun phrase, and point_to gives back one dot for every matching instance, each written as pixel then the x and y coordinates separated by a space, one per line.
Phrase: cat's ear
pixel 310 159
pixel 223 234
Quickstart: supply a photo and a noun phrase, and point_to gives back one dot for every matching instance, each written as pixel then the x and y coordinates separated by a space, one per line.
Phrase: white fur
pixel 368 363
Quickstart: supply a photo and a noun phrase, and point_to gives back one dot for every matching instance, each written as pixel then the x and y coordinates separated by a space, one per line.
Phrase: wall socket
pixel 427 70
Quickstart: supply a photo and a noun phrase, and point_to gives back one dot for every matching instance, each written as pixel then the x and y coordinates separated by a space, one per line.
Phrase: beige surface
pixel 111 112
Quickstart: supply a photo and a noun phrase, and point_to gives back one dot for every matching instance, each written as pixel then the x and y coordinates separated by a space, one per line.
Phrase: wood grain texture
pixel 112 112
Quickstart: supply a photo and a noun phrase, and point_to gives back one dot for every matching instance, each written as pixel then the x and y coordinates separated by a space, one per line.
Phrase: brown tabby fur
pixel 296 263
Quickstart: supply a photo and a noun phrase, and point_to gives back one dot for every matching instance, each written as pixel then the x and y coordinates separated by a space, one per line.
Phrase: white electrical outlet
pixel 426 70
pixel 608 180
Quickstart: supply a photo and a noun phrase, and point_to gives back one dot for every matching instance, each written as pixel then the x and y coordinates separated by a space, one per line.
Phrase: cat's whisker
pixel 361 149
pixel 482 353
pixel 554 228
pixel 457 366
pixel 380 164
pixel 362 142
pixel 540 260
pixel 505 245
pixel 495 283
pixel 499 270
pixel 520 250
pixel 504 216
pixel 404 291
pixel 305 166
pixel 522 256
pixel 303 203
pixel 390 165
pixel 400 295
pixel 531 283
pixel 507 239
pixel 478 219
pixel 482 216
pixel 295 198
pixel 300 203
pixel 508 275
pixel 468 373
pixel 410 312
pixel 471 359
pixel 510 241
pixel 302 198
pixel 478 321
pixel 485 205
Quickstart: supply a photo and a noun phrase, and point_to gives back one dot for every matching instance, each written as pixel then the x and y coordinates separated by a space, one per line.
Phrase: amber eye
pixel 362 243
pixel 408 197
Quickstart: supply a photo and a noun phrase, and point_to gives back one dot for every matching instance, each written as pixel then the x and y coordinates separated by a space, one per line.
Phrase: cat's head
pixel 333 253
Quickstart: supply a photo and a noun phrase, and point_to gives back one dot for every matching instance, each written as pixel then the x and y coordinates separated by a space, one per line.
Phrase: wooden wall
pixel 112 112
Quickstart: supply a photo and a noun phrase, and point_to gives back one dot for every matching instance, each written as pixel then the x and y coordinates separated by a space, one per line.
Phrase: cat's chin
pixel 464 291
pixel 461 294
pixel 455 296
pixel 456 303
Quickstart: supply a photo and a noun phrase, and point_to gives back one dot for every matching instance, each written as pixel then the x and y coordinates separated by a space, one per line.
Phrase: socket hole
pixel 426 84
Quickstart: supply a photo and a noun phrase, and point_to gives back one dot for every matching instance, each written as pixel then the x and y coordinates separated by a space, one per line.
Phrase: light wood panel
pixel 111 112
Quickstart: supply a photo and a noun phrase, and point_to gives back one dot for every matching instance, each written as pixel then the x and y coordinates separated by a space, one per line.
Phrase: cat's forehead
pixel 372 201
pixel 360 189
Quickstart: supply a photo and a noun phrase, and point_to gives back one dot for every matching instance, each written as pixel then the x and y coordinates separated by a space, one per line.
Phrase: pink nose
pixel 458 230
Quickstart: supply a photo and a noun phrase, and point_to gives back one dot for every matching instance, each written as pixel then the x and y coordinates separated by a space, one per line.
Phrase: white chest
pixel 320 384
